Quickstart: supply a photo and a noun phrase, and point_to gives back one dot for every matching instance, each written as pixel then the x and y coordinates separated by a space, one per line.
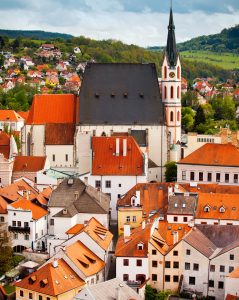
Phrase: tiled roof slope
pixel 120 94
pixel 213 155
pixel 53 109
pixel 77 197
pixel 29 163
pixel 10 115
pixel 234 273
pixel 59 280
pixel 24 114
pixel 182 205
pixel 230 202
pixel 59 134
pixel 4 144
pixel 25 204
pixel 106 162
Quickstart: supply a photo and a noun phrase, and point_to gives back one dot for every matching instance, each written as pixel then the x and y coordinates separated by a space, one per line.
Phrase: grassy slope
pixel 228 61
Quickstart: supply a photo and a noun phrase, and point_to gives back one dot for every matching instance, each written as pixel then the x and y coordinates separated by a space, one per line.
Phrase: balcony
pixel 19 229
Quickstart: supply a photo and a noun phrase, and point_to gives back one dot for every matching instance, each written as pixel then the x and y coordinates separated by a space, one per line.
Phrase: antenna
pixel 171 4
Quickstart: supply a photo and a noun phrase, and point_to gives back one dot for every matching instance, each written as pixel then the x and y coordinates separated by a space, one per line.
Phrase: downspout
pixel 209 264
pixel 163 270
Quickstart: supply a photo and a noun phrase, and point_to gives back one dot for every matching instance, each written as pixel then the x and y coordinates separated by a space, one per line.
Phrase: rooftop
pixel 29 163
pixel 10 116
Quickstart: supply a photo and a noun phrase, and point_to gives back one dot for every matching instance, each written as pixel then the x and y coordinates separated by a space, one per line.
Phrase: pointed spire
pixel 171 49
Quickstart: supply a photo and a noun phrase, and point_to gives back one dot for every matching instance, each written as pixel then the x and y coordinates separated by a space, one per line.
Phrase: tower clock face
pixel 171 74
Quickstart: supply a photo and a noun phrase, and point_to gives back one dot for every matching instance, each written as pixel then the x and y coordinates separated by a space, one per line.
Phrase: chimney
pixel 117 147
pixel 175 237
pixel 137 200
pixel 55 263
pixel 126 231
pixel 143 225
pixel 124 147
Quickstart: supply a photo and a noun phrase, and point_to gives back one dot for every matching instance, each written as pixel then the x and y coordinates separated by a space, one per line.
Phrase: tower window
pixel 178 92
pixel 171 92
pixel 171 116
pixel 178 116
pixel 165 92
pixel 178 72
pixel 165 72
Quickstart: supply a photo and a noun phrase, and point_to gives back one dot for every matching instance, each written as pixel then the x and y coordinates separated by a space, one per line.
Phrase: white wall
pixel 60 152
pixel 170 218
pixel 220 222
pixel 231 286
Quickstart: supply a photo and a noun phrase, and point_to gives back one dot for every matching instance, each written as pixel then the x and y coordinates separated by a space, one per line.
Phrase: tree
pixel 200 117
pixel 6 252
pixel 225 108
pixel 150 293
pixel 188 115
pixel 171 171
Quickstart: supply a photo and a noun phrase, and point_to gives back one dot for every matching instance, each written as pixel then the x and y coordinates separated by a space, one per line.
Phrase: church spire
pixel 171 49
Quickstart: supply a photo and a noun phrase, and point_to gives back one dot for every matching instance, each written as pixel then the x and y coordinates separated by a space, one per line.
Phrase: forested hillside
pixel 34 34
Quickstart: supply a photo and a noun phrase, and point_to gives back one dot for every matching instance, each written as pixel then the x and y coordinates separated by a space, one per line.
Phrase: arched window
pixel 178 116
pixel 178 72
pixel 165 92
pixel 171 116
pixel 178 92
pixel 165 72
pixel 171 92
pixel 29 140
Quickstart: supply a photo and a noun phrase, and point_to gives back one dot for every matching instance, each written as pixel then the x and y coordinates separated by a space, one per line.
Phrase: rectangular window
pixel 212 268
pixel 209 177
pixel 231 256
pixel 21 293
pixel 30 295
pixel 200 176
pixel 66 157
pixel 175 219
pixel 154 252
pixel 139 262
pixel 175 278
pixel 154 263
pixel 125 262
pixel 97 184
pixel 231 269
pixel 227 177
pixel 40 297
pixel 48 298
pixel 192 280
pixel 128 219
pixel 220 284
pixel 222 268
pixel 26 237
pixel 192 176
pixel 53 157
pixel 154 277
pixel 187 266
pixel 134 219
pixel 211 283
pixel 235 178
pixel 183 175
pixel 188 252
pixel 108 184
pixel 15 236
pixel 19 223
pixel 119 184
pixel 185 219
pixel 14 223
pixel 196 267
pixel 175 264
pixel 175 253
pixel 26 224
pixel 2 219
pixel 125 277
pixel 167 278
pixel 167 264
pixel 36 236
pixel 52 222
pixel 119 195
pixel 218 177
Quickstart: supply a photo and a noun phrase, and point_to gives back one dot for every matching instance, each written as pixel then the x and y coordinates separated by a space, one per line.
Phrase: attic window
pixel 175 204
pixel 32 279
pixel 140 246
pixel 125 95
pixel 112 95
pixel 43 283
pixel 222 209
pixel 85 265
pixel 234 208
pixel 206 208
pixel 91 260
pixel 184 205
pixel 141 95
pixel 97 95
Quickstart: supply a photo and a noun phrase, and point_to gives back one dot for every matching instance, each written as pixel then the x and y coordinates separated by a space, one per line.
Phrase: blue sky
pixel 142 22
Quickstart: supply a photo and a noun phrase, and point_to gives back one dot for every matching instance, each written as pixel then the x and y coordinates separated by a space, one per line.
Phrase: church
pixel 116 99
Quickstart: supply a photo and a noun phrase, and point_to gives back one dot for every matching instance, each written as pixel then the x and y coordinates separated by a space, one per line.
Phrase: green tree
pixel 150 293
pixel 171 171
pixel 225 108
pixel 188 115
pixel 200 117
pixel 6 252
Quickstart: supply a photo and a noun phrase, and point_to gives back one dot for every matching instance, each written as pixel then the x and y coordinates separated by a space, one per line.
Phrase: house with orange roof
pixel 211 163
pixel 50 129
pixel 117 164
pixel 232 285
pixel 56 280
pixel 27 222
pixel 11 119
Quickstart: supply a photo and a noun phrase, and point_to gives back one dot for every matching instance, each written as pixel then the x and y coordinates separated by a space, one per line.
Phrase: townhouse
pixel 11 120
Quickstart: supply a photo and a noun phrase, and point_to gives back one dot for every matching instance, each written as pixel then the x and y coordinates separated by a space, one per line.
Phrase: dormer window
pixel 207 208
pixel 184 205
pixel 140 246
pixel 222 209
pixel 175 204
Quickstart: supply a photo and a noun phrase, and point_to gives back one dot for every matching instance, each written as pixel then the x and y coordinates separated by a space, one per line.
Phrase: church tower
pixel 171 86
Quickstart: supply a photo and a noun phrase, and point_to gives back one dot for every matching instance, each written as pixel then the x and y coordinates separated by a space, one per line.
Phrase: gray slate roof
pixel 182 205
pixel 120 94
pixel 107 291
pixel 78 198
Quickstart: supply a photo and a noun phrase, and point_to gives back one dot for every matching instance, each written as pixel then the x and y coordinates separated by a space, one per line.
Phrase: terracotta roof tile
pixel 75 229
pixel 58 280
pixel 84 259
pixel 234 273
pixel 5 144
pixel 214 155
pixel 53 109
pixel 231 297
pixel 106 162
pixel 24 114
pixel 24 204
pixel 29 163
pixel 59 134
pixel 3 206
pixel 10 115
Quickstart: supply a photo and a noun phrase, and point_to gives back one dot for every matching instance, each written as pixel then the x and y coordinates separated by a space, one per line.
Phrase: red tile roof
pixel 75 229
pixel 29 163
pixel 24 114
pixel 213 155
pixel 25 204
pixel 59 134
pixel 10 115
pixel 56 280
pixel 55 108
pixel 4 144
pixel 106 162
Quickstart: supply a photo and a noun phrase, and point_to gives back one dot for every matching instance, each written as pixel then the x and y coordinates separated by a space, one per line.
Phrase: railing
pixel 19 229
